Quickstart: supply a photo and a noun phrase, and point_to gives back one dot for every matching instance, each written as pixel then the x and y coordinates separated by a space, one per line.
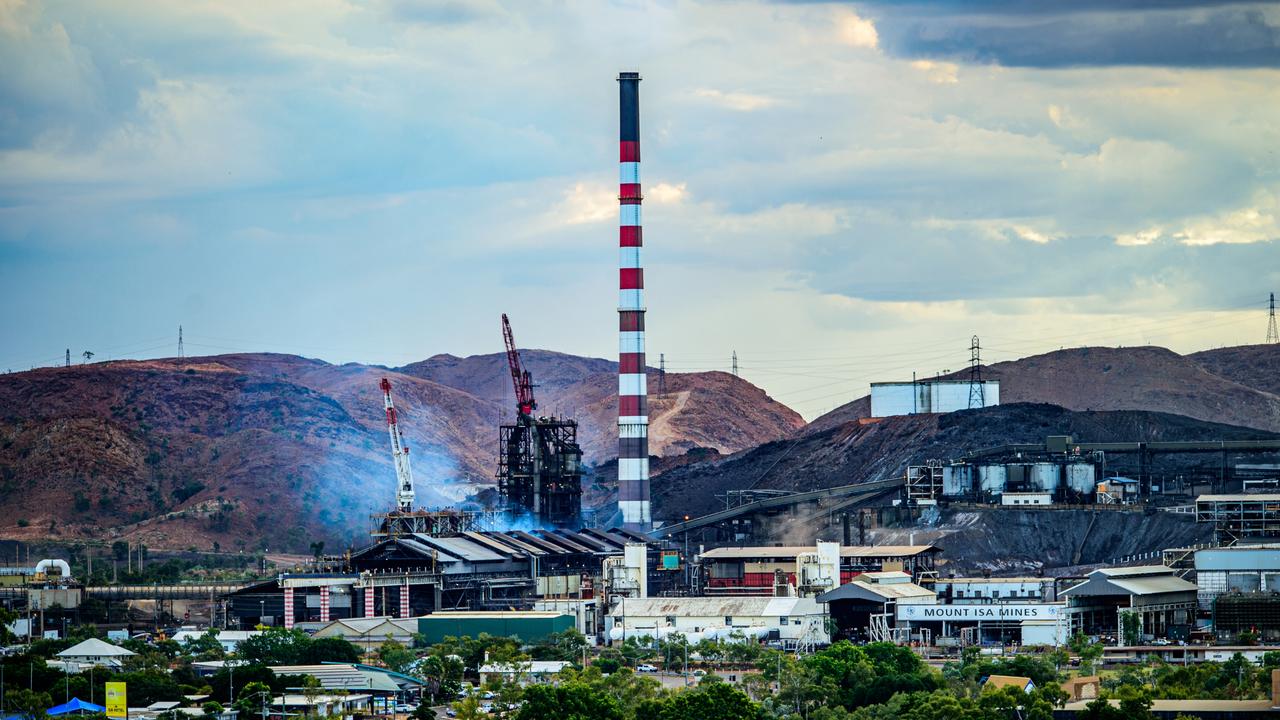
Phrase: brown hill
pixel 1235 386
pixel 705 409
pixel 276 450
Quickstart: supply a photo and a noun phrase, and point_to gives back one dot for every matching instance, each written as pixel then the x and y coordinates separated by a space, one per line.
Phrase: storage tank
pixel 1043 476
pixel 957 480
pixel 1081 477
pixel 991 478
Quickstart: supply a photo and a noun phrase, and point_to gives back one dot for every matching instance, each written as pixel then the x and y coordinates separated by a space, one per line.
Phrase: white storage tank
pixel 991 478
pixel 957 480
pixel 1081 477
pixel 1043 477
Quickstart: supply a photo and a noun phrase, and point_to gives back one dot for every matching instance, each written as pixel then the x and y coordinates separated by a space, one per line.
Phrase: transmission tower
pixel 68 357
pixel 735 363
pixel 181 353
pixel 977 393
pixel 1272 335
pixel 662 375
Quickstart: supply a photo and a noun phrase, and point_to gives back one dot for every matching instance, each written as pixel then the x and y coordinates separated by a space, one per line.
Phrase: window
pixel 671 619
pixel 728 620
pixel 782 620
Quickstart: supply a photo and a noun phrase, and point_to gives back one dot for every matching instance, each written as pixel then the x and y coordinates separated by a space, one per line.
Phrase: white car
pixel 646 668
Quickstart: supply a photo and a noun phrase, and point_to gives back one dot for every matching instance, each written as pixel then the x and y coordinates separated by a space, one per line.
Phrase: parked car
pixel 488 695
pixel 699 672
pixel 646 667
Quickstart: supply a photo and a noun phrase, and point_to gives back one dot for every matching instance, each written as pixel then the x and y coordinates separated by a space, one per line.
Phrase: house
pixel 532 672
pixel 228 639
pixel 93 652
pixel 328 706
pixel 1082 688
pixel 996 682
pixel 369 633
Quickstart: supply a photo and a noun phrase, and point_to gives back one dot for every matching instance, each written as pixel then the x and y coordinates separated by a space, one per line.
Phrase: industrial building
pixel 1238 569
pixel 862 609
pixel 790 622
pixel 757 570
pixel 1154 594
pixel 931 396
pixel 539 460
pixel 1240 517
pixel 981 590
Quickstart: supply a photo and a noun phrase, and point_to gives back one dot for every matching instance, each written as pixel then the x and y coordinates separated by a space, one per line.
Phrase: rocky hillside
pixel 1235 386
pixel 277 450
pixel 856 452
pixel 707 409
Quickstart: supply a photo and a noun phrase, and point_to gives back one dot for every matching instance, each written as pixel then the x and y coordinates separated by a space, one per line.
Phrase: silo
pixel 1043 476
pixel 1081 477
pixel 991 478
pixel 957 480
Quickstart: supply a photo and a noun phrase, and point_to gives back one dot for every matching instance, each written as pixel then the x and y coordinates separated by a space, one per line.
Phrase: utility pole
pixel 181 352
pixel 1273 336
pixel 977 392
pixel 735 363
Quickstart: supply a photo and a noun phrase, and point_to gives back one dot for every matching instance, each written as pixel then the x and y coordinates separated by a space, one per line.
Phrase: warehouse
pixel 1241 568
pixel 981 590
pixel 790 622
pixel 863 608
pixel 1154 594
pixel 529 626
pixel 931 396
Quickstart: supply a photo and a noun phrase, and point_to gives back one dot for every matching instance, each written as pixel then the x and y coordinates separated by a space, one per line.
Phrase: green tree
pixel 395 656
pixel 468 708
pixel 708 701
pixel 871 673
pixel 274 646
pixel 205 647
pixel 566 646
pixel 251 697
pixel 28 703
pixel 570 701
pixel 1088 651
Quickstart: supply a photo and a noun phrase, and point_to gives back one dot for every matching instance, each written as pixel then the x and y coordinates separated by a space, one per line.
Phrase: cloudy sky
pixel 840 192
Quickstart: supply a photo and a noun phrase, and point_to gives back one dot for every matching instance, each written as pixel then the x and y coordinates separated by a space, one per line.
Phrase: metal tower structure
pixel 633 414
pixel 399 452
pixel 735 363
pixel 68 357
pixel 977 391
pixel 539 460
pixel 662 374
pixel 1273 336
pixel 181 352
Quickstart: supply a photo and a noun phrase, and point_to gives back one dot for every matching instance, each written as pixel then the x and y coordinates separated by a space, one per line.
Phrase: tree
pixel 443 674
pixel 871 673
pixel 1088 651
pixel 28 703
pixel 566 646
pixel 205 647
pixel 468 708
pixel 212 709
pixel 709 701
pixel 252 697
pixel 571 701
pixel 395 656
pixel 329 649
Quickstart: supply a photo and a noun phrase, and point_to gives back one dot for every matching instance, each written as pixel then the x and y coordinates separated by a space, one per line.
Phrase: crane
pixel 522 379
pixel 399 452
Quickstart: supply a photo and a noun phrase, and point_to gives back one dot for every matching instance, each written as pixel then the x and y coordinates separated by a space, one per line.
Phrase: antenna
pixel 735 363
pixel 181 353
pixel 1272 335
pixel 977 391
pixel 662 374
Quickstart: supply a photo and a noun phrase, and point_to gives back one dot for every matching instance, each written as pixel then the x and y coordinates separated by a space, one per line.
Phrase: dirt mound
pixel 1235 386
pixel 857 452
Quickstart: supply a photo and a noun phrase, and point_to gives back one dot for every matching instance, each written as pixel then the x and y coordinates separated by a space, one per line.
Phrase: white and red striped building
pixel 633 415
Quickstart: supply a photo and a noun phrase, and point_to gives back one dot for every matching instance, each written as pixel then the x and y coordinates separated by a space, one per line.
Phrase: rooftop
pixel 1260 497
pixel 791 551
pixel 93 647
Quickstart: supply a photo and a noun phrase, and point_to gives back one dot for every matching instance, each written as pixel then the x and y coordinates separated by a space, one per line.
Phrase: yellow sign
pixel 117 706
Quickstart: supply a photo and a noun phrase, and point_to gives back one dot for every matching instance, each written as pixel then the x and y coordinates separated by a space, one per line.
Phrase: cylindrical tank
pixel 1044 477
pixel 991 478
pixel 1081 477
pixel 957 480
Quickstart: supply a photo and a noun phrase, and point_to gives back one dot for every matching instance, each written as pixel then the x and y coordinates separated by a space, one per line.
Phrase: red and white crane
pixel 399 452
pixel 522 379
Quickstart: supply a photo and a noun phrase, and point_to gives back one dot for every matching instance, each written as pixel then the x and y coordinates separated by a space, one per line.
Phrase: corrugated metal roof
pixel 462 548
pixel 707 606
pixel 1154 585
pixel 875 593
pixel 1135 570
pixel 1261 497
pixel 341 677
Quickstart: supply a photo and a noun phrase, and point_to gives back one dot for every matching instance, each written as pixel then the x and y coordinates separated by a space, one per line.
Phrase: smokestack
pixel 633 414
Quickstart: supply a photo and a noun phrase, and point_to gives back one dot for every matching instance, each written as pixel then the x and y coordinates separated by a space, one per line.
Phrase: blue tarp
pixel 75 706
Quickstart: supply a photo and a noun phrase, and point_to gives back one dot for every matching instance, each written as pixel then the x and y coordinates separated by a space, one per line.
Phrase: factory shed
pixel 754 569
pixel 1240 568
pixel 1153 593
pixel 342 676
pixel 861 609
pixel 789 622
pixel 369 633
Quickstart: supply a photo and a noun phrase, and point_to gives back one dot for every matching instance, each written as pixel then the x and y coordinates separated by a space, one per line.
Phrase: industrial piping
pixel 633 414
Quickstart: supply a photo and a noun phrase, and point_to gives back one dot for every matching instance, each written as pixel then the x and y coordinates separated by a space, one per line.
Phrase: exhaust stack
pixel 633 414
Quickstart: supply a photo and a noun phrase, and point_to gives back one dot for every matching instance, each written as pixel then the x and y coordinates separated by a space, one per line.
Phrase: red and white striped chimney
pixel 633 413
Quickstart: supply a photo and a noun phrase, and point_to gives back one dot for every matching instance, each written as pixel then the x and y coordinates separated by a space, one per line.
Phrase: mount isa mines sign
pixel 995 611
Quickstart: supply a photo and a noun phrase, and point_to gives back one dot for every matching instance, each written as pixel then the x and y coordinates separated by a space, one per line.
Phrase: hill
pixel 262 450
pixel 856 452
pixel 1235 386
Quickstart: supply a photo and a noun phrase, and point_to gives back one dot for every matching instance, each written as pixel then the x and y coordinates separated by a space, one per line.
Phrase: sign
pixel 1006 612
pixel 117 706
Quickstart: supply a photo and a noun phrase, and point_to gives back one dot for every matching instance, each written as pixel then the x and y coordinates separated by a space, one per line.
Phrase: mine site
pixel 920 410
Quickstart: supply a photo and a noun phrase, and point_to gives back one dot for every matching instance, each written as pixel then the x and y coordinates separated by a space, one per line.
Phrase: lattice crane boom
pixel 521 379
pixel 399 452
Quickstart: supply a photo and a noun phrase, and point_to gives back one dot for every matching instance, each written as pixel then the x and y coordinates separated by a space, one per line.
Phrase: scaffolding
pixel 1235 517
pixel 426 522
pixel 540 469
pixel 924 482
